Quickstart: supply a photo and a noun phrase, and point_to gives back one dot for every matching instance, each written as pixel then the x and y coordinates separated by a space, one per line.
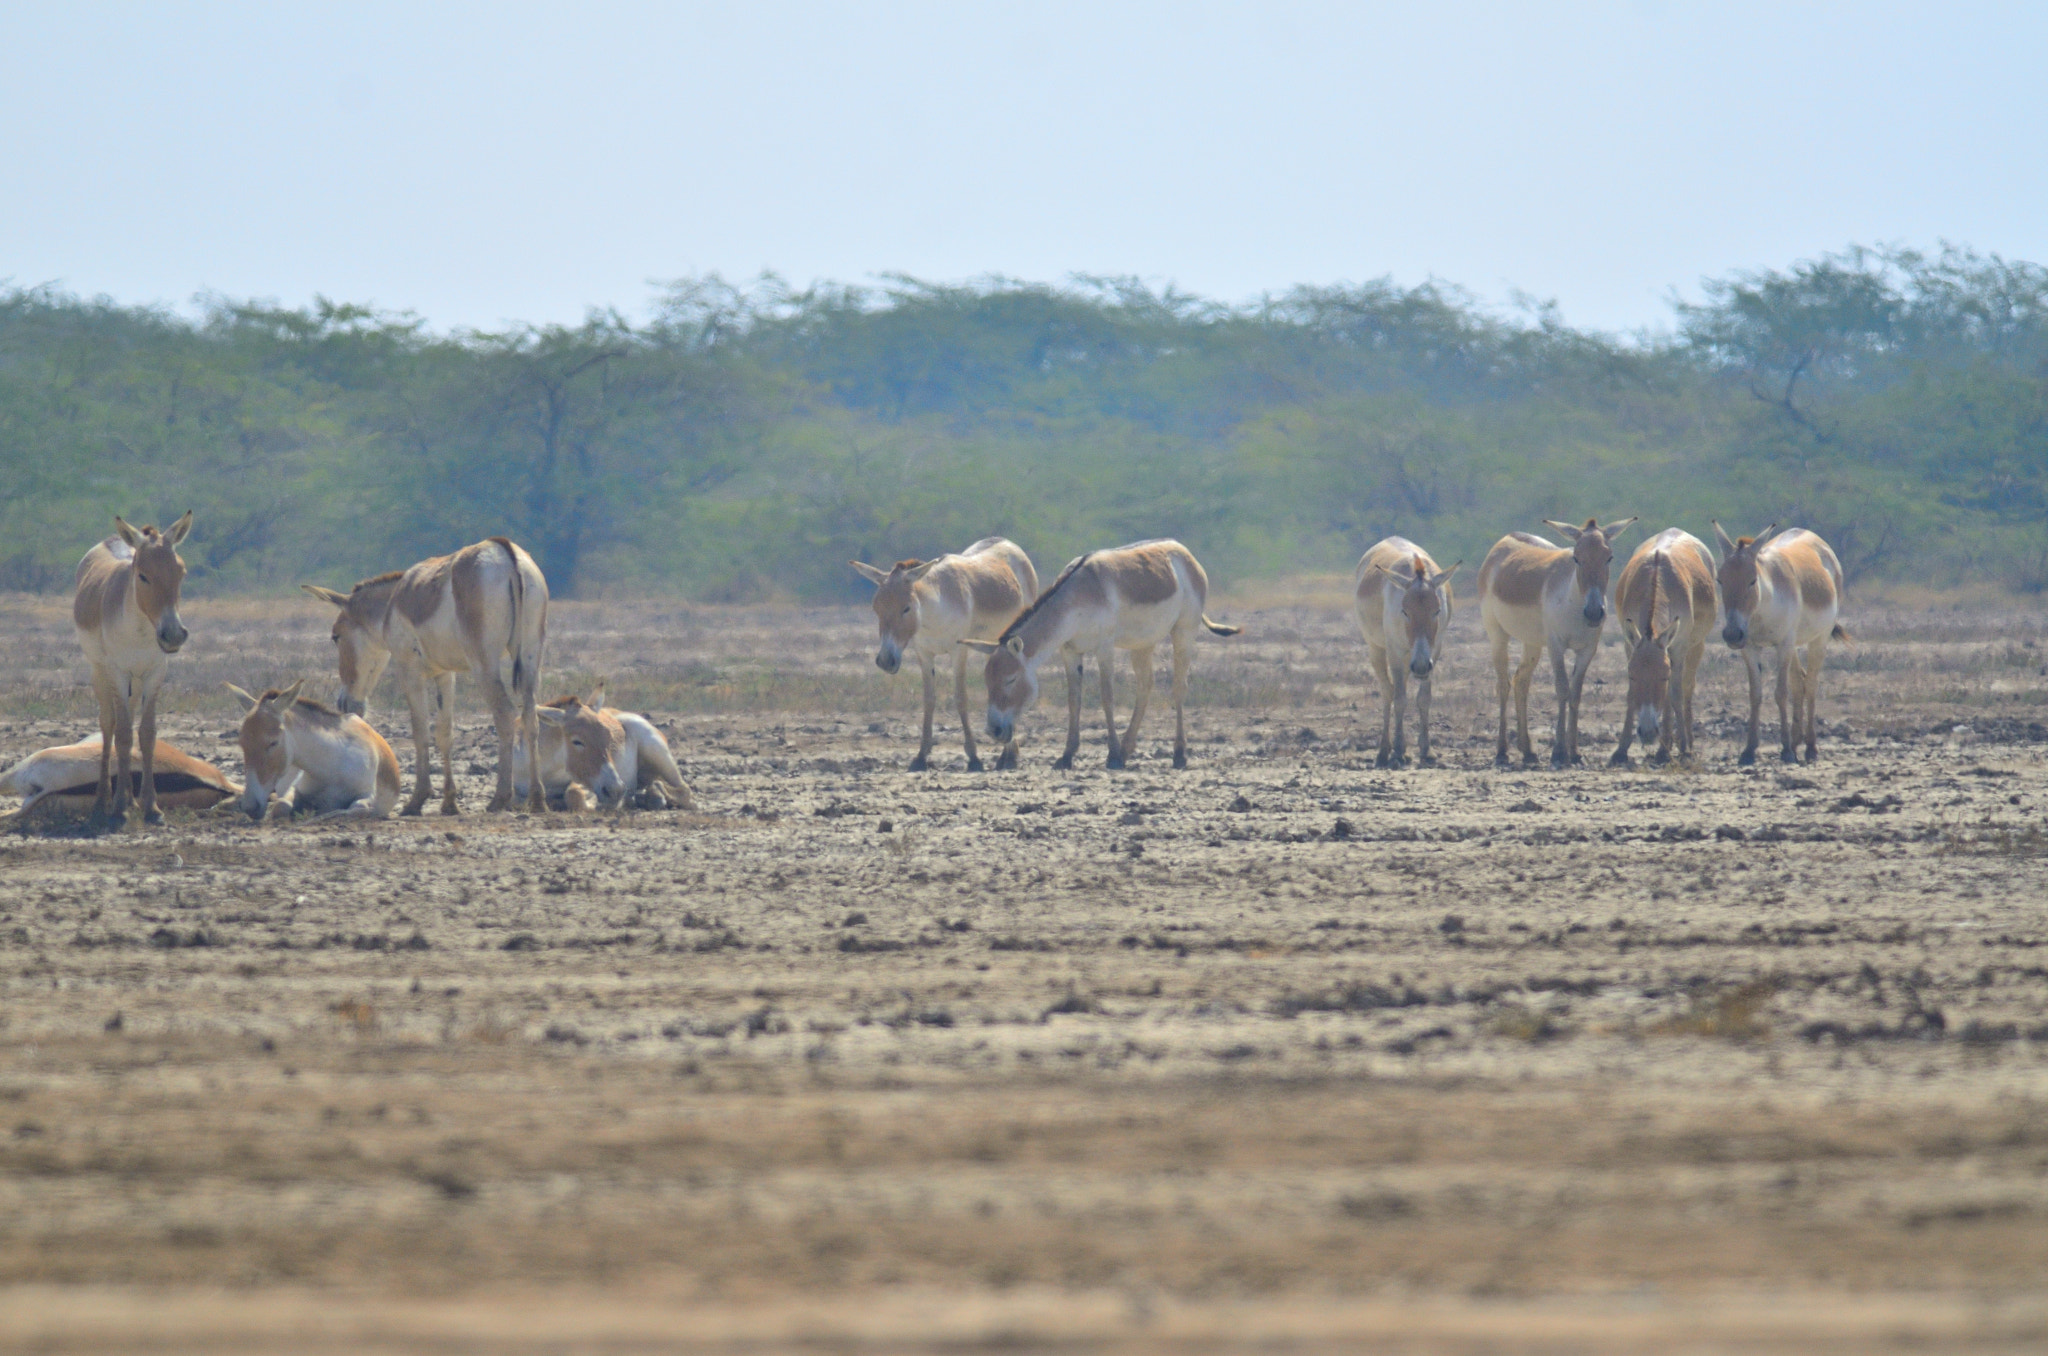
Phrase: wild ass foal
pixel 594 754
pixel 1402 599
pixel 1666 599
pixel 125 607
pixel 1129 598
pixel 1783 591
pixel 928 607
pixel 303 757
pixel 1547 597
pixel 449 615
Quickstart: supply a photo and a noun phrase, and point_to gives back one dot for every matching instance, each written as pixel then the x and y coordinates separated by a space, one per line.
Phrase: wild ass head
pixel 159 574
pixel 1425 606
pixel 1012 682
pixel 1649 661
pixel 896 605
pixel 1592 555
pixel 1737 575
pixel 266 749
pixel 592 739
pixel 359 651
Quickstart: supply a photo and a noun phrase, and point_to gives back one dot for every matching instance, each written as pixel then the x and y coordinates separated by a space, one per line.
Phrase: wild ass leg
pixel 444 739
pixel 1619 758
pixel 146 733
pixel 1788 659
pixel 124 734
pixel 1105 664
pixel 109 699
pixel 506 719
pixel 1692 673
pixel 1183 653
pixel 931 698
pixel 1560 739
pixel 1525 675
pixel 1815 653
pixel 1399 756
pixel 1754 665
pixel 527 690
pixel 1503 685
pixel 416 697
pixel 1582 661
pixel 1423 757
pixel 960 699
pixel 1072 661
pixel 1141 668
pixel 1377 658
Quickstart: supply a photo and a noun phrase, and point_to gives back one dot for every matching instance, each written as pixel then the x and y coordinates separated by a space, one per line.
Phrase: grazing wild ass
pixel 1547 597
pixel 1666 601
pixel 1402 599
pixel 445 616
pixel 594 756
pixel 65 778
pixel 304 758
pixel 929 606
pixel 125 607
pixel 1129 598
pixel 1783 591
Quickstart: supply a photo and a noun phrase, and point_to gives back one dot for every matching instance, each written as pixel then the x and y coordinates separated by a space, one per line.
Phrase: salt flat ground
pixel 1282 1049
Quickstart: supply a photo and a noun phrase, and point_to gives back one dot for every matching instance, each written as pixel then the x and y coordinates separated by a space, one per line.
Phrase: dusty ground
pixel 1281 1049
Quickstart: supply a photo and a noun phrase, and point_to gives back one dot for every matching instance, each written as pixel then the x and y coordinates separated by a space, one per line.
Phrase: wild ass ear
pixel 179 529
pixel 869 572
pixel 1670 634
pixel 551 716
pixel 1015 645
pixel 595 701
pixel 325 595
pixel 1442 577
pixel 918 571
pixel 282 702
pixel 1757 542
pixel 1727 543
pixel 1631 634
pixel 982 646
pixel 1570 531
pixel 248 698
pixel 1609 530
pixel 128 534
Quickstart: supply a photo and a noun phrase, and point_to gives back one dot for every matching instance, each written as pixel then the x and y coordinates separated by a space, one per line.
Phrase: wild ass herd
pixel 483 611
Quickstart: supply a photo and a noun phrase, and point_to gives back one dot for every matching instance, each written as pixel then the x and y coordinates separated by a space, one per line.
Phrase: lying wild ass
pixel 445 616
pixel 1547 597
pixel 1666 600
pixel 125 607
pixel 594 755
pixel 65 777
pixel 1783 591
pixel 1129 598
pixel 929 606
pixel 1402 598
pixel 304 758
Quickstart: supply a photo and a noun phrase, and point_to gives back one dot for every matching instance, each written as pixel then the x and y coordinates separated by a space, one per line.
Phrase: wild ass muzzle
pixel 925 608
pixel 1403 602
pixel 597 757
pixel 1666 600
pixel 1782 591
pixel 125 607
pixel 1548 597
pixel 445 616
pixel 299 757
pixel 1130 598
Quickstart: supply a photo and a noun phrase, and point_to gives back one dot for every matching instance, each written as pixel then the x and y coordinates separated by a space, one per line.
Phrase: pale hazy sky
pixel 481 163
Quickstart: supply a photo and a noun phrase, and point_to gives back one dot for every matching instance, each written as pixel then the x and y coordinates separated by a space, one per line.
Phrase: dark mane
pixel 378 579
pixel 1028 613
pixel 312 704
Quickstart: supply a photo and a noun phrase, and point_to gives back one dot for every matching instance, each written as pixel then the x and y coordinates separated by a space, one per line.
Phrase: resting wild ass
pixel 1666 599
pixel 302 757
pixel 1783 591
pixel 65 777
pixel 125 608
pixel 1546 596
pixel 1128 598
pixel 1402 598
pixel 594 755
pixel 929 606
pixel 445 616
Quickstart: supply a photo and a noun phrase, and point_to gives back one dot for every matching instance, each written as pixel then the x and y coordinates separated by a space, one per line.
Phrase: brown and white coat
pixel 1403 602
pixel 125 608
pixel 1784 592
pixel 299 757
pixel 1666 600
pixel 595 756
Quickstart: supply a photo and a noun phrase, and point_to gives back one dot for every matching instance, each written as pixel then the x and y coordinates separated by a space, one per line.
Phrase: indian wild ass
pixel 592 755
pixel 1666 599
pixel 304 758
pixel 1547 597
pixel 125 607
pixel 445 616
pixel 1129 598
pixel 65 778
pixel 928 607
pixel 1783 591
pixel 1402 599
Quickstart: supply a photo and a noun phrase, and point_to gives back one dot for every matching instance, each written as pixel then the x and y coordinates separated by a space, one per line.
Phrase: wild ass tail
pixel 1218 628
pixel 526 640
pixel 1841 633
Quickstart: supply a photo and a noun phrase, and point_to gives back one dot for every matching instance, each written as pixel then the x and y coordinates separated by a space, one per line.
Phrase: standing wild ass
pixel 1666 600
pixel 929 606
pixel 125 607
pixel 1546 596
pixel 1400 593
pixel 1783 591
pixel 302 757
pixel 449 615
pixel 1128 598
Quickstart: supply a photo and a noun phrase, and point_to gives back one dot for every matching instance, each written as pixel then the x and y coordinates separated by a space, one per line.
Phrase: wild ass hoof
pixel 920 763
pixel 1530 759
pixel 974 764
pixel 1115 762
pixel 1747 758
pixel 153 816
pixel 1662 758
pixel 1382 758
pixel 1007 761
pixel 1399 758
pixel 1501 759
pixel 1788 755
pixel 1426 760
pixel 1063 763
pixel 413 809
pixel 103 820
pixel 1180 760
pixel 1619 758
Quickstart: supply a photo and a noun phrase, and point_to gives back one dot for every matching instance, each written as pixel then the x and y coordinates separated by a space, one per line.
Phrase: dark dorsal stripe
pixel 167 784
pixel 1028 613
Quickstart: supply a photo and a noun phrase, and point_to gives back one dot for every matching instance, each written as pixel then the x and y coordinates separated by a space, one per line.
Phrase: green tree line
pixel 748 440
